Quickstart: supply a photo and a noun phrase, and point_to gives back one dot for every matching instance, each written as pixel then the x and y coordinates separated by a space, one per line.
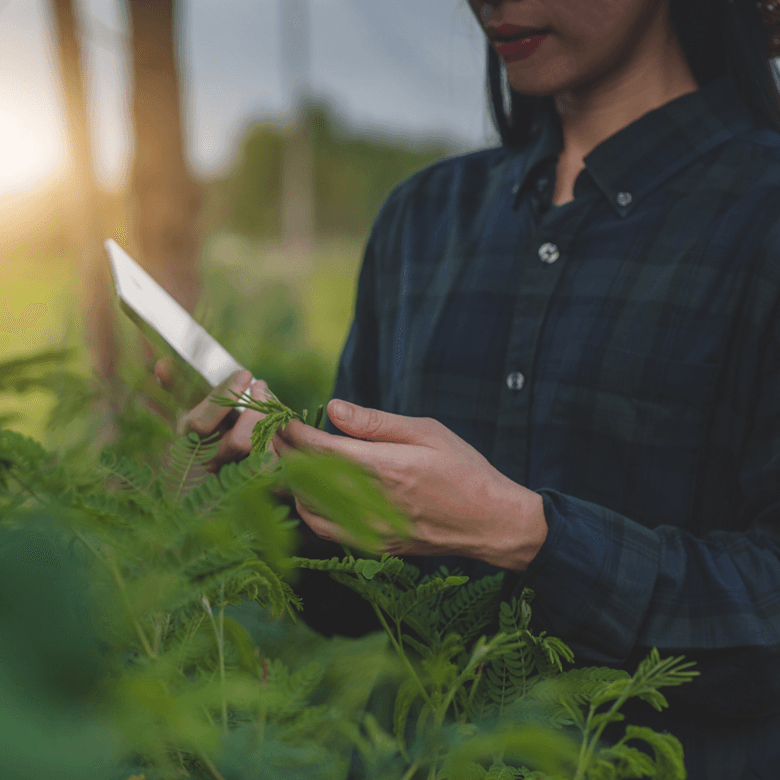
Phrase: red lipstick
pixel 514 43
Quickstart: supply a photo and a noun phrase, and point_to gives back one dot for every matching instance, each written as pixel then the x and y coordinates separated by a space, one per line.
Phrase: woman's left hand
pixel 458 503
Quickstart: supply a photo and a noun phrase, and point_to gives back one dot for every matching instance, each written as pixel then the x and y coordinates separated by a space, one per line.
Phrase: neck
pixel 655 76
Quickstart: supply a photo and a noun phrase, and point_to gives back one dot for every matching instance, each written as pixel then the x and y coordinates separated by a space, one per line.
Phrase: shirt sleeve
pixel 612 588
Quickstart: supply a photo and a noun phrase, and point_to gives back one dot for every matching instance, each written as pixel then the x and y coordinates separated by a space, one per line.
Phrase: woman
pixel 565 356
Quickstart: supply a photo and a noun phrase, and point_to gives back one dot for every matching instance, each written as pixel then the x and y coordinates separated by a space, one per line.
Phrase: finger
pixel 164 372
pixel 280 446
pixel 299 436
pixel 207 415
pixel 279 490
pixel 236 444
pixel 324 528
pixel 242 430
pixel 331 532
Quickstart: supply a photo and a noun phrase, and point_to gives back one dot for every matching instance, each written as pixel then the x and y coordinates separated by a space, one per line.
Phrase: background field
pixel 277 279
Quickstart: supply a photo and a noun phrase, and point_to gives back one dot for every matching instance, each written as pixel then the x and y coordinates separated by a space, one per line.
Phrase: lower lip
pixel 519 50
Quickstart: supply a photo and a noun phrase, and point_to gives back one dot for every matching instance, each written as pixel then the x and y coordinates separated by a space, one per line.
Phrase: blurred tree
pixel 165 198
pixel 353 174
pixel 84 208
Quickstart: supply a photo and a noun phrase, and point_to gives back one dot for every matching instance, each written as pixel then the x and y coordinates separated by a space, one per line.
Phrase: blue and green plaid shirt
pixel 619 354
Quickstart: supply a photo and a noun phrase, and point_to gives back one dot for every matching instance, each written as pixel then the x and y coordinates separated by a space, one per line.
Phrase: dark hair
pixel 720 38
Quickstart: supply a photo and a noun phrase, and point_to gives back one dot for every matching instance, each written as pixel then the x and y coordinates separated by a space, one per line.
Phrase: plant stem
pixel 120 583
pixel 441 713
pixel 589 745
pixel 214 771
pixel 222 659
pixel 181 764
pixel 161 623
pixel 472 693
pixel 399 649
pixel 412 769
pixel 263 707
pixel 219 633
pixel 114 569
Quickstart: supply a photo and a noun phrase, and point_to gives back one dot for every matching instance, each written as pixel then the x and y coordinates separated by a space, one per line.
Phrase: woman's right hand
pixel 207 417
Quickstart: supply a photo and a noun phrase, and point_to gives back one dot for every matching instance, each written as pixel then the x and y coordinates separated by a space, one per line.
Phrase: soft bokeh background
pixel 252 205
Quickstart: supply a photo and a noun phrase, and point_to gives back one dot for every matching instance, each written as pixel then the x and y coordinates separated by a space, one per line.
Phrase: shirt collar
pixel 638 159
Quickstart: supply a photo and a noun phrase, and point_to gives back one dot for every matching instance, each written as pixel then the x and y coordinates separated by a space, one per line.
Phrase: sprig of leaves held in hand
pixel 276 415
pixel 329 484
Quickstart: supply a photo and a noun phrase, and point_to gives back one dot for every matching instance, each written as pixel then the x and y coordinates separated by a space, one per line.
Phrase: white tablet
pixel 150 305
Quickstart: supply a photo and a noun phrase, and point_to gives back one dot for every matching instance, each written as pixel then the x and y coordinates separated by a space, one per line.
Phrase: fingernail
pixel 341 410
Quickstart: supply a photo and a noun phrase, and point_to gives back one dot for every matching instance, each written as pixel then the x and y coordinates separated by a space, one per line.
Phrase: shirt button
pixel 624 199
pixel 515 381
pixel 548 253
pixel 541 185
pixel 515 189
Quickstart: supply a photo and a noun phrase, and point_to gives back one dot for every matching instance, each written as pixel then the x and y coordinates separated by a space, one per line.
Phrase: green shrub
pixel 148 625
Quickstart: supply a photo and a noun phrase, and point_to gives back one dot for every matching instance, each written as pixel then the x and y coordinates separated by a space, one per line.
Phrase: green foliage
pixel 622 761
pixel 352 177
pixel 514 681
pixel 510 679
pixel 264 328
pixel 276 415
pixel 35 371
pixel 58 731
pixel 121 592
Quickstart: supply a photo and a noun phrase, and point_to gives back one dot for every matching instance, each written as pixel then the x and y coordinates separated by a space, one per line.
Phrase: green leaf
pixel 461 770
pixel 667 750
pixel 368 568
pixel 408 692
pixel 342 492
pixel 539 748
pixel 500 771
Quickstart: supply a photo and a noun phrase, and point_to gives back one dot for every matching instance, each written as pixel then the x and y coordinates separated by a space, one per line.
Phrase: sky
pixel 411 69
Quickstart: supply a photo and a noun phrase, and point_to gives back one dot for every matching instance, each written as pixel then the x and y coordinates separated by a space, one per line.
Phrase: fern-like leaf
pixel 276 415
pixel 186 454
pixel 368 568
pixel 422 593
pixel 214 492
pixel 500 771
pixel 469 609
pixel 408 692
pixel 32 467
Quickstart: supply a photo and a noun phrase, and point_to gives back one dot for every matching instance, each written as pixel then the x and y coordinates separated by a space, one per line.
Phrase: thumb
pixel 373 424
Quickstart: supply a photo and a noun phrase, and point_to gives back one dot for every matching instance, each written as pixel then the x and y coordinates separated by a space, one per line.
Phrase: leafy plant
pixel 171 556
pixel 514 677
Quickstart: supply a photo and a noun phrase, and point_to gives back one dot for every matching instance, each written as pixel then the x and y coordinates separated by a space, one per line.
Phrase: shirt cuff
pixel 593 578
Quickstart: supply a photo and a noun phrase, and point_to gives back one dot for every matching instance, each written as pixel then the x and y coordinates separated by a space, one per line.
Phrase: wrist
pixel 521 530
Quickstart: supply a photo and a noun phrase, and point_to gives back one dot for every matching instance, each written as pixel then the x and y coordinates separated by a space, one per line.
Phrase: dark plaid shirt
pixel 619 354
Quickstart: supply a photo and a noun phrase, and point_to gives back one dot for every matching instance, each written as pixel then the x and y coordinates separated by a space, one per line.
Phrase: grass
pixel 38 298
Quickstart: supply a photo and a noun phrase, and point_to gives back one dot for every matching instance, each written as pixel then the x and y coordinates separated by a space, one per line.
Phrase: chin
pixel 531 88
pixel 541 81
